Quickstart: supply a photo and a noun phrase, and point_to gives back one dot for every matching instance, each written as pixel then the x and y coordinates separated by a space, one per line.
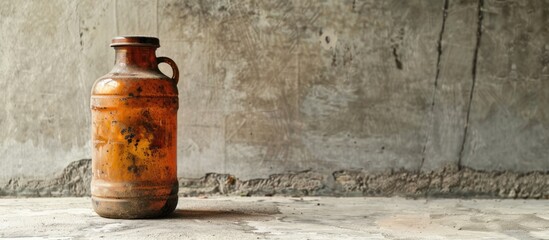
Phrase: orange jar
pixel 134 134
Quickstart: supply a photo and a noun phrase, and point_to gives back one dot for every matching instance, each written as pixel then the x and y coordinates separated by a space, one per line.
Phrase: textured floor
pixel 285 218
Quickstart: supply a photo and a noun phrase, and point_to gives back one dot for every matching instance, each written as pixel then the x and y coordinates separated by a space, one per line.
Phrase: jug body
pixel 134 134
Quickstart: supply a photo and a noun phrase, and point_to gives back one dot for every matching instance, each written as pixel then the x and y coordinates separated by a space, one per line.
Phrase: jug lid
pixel 144 41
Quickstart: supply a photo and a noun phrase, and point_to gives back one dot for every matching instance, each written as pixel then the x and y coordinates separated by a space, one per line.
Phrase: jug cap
pixel 144 41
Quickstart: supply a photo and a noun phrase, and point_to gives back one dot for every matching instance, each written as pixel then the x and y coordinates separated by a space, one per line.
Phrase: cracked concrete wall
pixel 271 87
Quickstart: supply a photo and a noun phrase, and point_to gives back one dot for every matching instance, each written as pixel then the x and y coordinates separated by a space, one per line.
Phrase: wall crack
pixel 480 15
pixel 398 63
pixel 437 76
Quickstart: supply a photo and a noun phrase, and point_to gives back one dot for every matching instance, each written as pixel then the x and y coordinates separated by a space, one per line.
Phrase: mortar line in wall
pixel 437 75
pixel 474 79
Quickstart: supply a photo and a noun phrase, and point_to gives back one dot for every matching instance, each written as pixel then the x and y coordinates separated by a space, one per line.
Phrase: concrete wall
pixel 286 86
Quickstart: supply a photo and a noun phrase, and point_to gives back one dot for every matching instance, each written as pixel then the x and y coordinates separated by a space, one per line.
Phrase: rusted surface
pixel 134 126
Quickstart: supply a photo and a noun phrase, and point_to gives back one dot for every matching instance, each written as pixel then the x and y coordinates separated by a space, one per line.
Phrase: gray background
pixel 272 87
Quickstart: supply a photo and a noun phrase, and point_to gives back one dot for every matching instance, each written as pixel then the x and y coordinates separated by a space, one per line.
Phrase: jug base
pixel 134 208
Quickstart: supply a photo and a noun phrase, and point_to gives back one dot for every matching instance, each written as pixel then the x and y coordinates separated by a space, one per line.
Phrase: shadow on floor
pixel 210 214
pixel 223 210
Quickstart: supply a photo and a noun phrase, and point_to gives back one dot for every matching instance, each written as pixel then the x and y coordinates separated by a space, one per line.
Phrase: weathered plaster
pixel 273 87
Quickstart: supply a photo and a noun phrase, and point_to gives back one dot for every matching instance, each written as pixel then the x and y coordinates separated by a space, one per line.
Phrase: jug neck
pixel 142 57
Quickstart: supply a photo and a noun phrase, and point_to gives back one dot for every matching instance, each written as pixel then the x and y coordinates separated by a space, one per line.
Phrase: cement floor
pixel 284 218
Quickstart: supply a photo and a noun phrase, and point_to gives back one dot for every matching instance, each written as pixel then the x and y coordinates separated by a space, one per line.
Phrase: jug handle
pixel 170 62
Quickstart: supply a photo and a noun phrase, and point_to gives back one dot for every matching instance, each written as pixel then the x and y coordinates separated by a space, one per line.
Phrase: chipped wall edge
pixel 74 181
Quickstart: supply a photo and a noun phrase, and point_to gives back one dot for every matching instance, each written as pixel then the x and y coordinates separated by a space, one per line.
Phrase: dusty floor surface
pixel 285 218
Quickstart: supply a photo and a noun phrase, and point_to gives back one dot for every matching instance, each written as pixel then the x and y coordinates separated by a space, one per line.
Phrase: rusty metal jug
pixel 134 133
